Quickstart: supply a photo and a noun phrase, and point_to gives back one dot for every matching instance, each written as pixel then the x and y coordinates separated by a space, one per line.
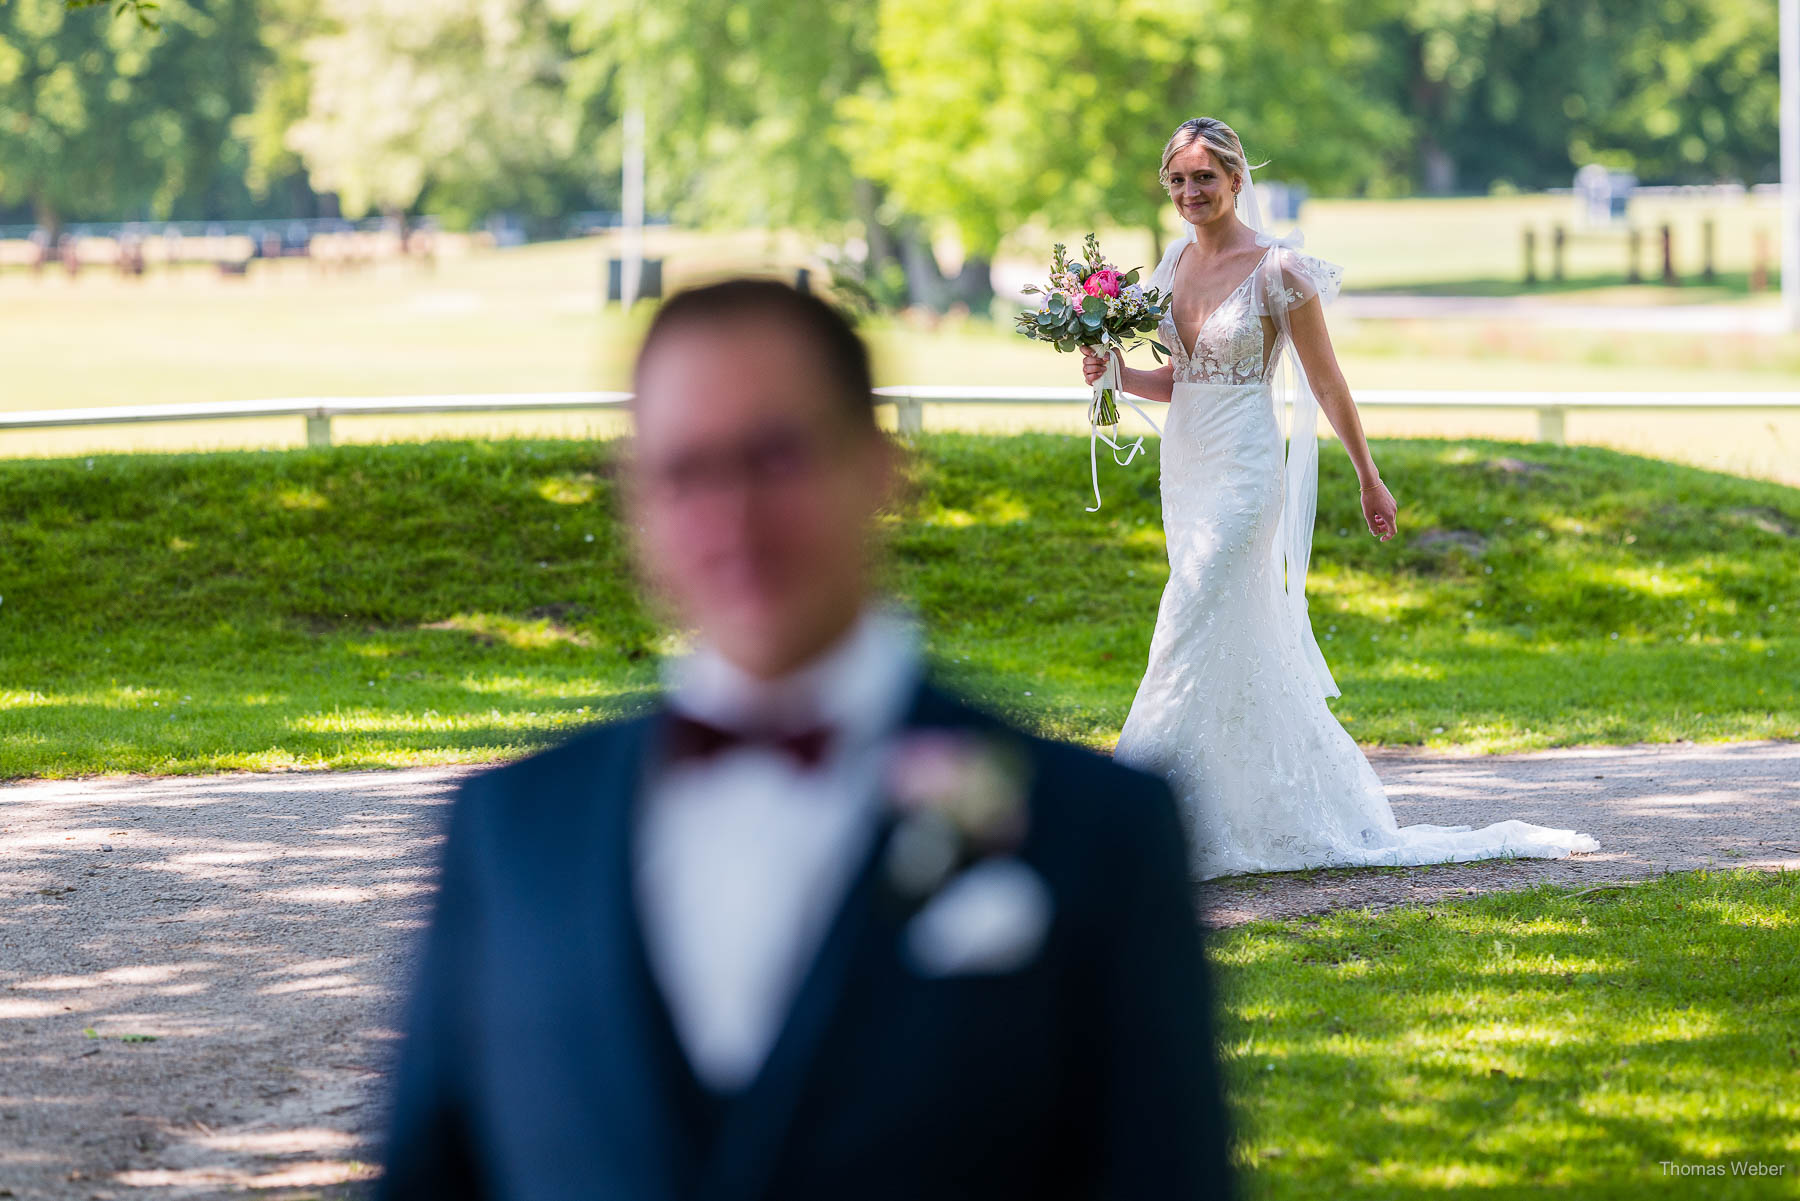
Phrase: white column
pixel 1790 161
pixel 631 267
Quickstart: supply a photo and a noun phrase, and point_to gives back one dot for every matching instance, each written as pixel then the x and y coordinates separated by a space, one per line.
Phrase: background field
pixel 530 319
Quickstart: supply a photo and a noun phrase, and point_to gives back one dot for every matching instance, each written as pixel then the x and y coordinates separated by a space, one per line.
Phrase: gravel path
pixel 256 926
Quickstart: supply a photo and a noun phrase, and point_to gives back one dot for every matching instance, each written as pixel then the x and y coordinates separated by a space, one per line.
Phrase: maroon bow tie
pixel 690 738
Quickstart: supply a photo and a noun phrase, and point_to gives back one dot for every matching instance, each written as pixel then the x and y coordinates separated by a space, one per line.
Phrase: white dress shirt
pixel 743 858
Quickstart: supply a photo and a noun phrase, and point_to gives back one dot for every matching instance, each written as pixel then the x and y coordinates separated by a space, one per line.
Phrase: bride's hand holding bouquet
pixel 1092 305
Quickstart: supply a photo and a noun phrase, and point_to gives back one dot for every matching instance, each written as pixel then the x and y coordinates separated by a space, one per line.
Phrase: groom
pixel 814 930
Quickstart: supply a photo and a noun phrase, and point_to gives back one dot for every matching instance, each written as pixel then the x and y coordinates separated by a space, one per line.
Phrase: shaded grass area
pixel 1536 595
pixel 1521 1044
pixel 447 602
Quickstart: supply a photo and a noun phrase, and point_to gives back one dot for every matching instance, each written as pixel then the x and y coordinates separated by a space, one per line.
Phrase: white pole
pixel 1790 161
pixel 631 268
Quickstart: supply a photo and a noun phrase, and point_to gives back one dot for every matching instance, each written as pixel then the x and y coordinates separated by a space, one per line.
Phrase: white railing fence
pixel 909 401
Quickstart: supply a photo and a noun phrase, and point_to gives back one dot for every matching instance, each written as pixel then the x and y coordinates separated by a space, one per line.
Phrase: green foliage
pixel 1524 92
pixel 453 602
pixel 110 118
pixel 740 100
pixel 141 9
pixel 915 115
pixel 1518 1044
pixel 465 97
pixel 991 114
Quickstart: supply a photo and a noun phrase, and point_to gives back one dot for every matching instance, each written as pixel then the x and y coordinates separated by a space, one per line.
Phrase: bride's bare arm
pixel 1313 344
pixel 1158 383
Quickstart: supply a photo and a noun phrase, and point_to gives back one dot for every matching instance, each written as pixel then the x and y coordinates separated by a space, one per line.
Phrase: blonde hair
pixel 1220 139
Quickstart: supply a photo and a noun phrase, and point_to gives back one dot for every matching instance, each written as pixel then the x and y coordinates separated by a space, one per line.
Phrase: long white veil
pixel 1292 394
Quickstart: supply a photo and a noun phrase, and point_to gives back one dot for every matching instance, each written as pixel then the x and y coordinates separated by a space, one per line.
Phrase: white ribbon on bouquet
pixel 1110 378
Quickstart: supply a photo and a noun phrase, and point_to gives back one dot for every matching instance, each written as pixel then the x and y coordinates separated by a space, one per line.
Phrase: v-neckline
pixel 1186 351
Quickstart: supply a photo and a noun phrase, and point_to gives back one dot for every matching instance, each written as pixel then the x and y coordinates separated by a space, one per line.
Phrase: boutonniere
pixel 961 796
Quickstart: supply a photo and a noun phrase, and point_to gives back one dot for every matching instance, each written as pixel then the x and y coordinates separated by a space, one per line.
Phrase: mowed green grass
pixel 1521 1045
pixel 469 601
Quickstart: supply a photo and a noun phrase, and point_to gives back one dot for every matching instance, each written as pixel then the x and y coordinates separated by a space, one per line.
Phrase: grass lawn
pixel 457 601
pixel 1521 1044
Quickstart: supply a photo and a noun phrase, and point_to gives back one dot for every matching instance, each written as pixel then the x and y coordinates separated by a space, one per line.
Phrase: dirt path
pixel 257 926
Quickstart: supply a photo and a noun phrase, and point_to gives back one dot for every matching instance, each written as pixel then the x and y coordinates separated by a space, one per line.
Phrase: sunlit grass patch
pixel 389 605
pixel 1520 1043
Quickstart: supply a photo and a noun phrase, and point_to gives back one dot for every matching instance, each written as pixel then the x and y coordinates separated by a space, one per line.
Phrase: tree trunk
pixel 1439 169
pixel 974 284
pixel 47 217
pixel 879 239
pixel 925 284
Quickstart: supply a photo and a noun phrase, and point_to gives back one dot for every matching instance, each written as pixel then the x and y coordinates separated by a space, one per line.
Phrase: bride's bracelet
pixel 1376 484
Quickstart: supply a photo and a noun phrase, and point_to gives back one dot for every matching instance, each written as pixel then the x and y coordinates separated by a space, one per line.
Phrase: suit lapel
pixel 760 1119
pixel 636 1054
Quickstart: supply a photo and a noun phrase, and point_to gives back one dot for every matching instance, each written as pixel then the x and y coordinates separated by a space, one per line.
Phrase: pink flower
pixel 1103 283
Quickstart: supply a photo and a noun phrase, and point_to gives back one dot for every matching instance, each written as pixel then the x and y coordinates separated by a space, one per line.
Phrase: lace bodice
pixel 1239 342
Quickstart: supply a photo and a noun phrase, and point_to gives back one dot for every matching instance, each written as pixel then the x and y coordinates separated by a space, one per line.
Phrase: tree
pixel 741 107
pixel 992 114
pixel 466 98
pixel 1698 99
pixel 1525 91
pixel 105 118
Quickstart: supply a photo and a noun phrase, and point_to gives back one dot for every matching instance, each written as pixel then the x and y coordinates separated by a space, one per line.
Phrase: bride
pixel 1232 708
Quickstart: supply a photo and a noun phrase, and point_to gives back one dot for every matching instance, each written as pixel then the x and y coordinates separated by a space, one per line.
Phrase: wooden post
pixel 1558 243
pixel 1668 256
pixel 1634 244
pixel 909 415
pixel 1530 256
pixel 1759 262
pixel 1550 425
pixel 1708 268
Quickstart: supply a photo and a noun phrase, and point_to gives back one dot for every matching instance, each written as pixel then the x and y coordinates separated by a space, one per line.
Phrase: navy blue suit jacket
pixel 539 1061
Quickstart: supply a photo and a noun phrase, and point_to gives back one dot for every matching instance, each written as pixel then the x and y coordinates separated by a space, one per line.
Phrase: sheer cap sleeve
pixel 1292 278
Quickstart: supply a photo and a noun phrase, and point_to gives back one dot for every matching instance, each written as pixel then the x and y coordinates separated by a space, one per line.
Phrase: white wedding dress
pixel 1232 707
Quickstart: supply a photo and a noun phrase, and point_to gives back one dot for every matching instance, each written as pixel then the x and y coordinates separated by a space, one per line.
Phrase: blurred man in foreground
pixel 813 929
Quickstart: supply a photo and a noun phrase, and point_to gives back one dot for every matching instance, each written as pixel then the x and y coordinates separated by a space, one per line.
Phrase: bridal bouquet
pixel 1090 302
